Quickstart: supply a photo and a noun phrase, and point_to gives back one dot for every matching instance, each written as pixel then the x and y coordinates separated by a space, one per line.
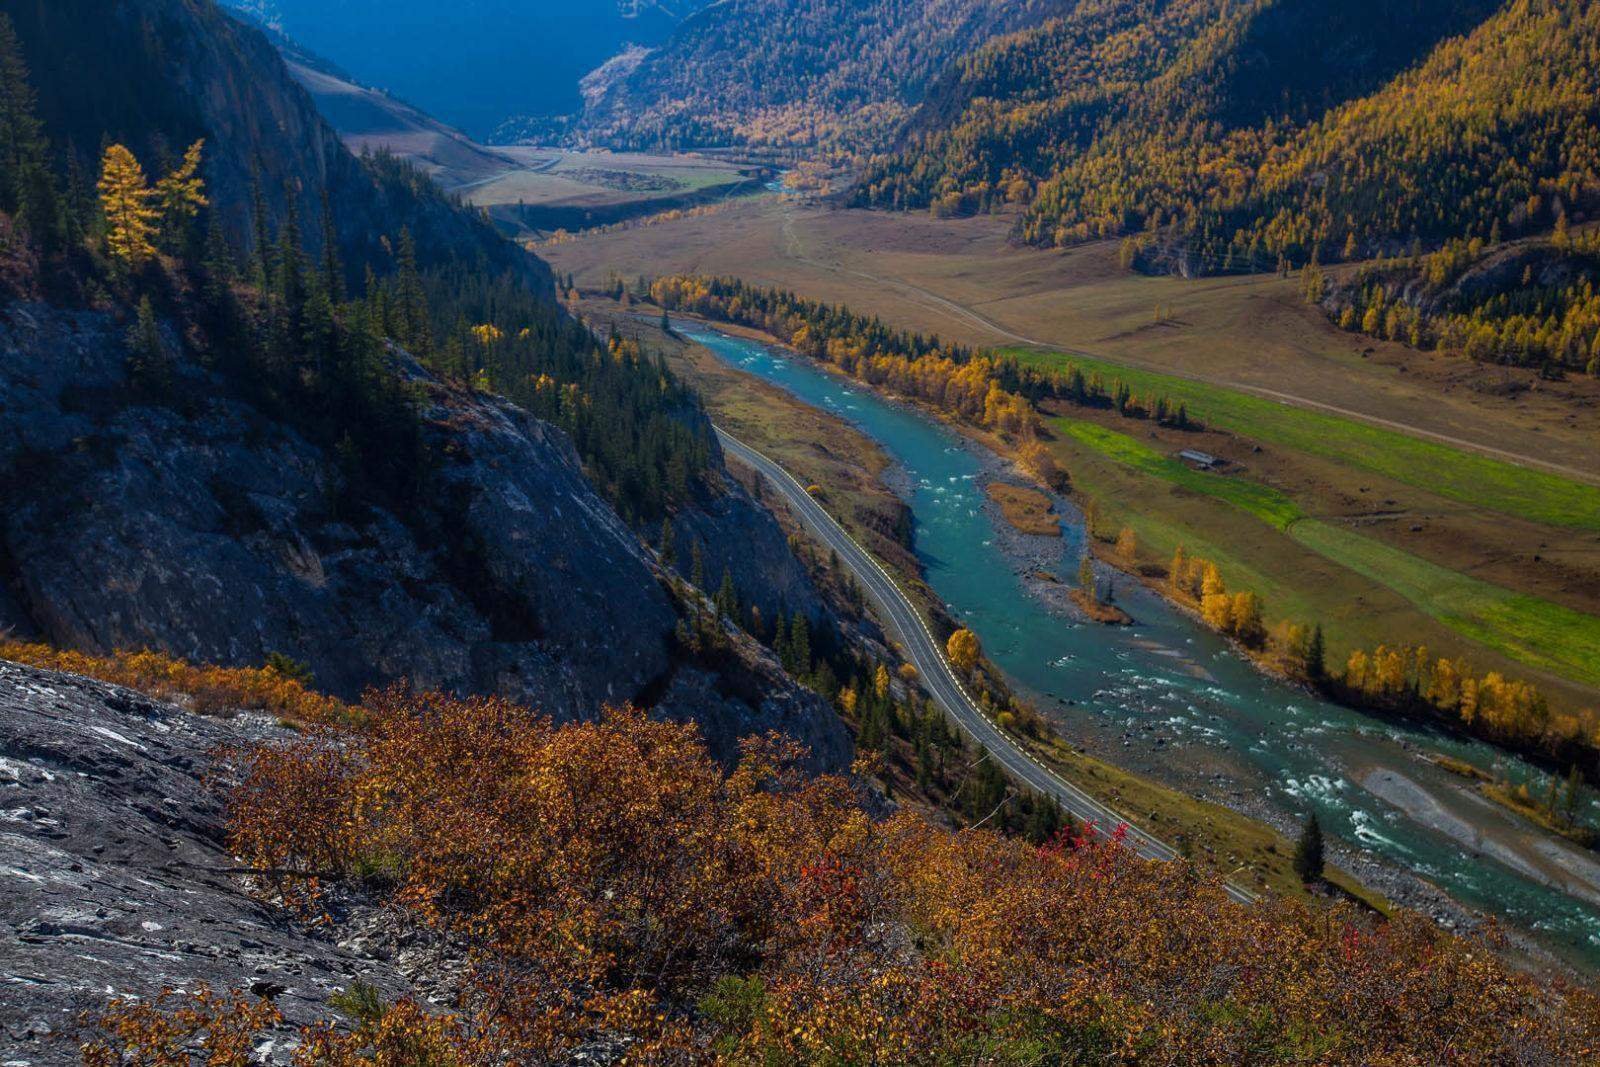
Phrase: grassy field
pixel 1467 477
pixel 1527 629
pixel 1264 502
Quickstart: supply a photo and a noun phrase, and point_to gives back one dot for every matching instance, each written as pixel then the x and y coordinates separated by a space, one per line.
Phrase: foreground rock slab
pixel 114 878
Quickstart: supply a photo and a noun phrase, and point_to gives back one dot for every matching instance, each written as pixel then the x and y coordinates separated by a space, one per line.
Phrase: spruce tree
pixel 149 366
pixel 1308 860
pixel 22 144
pixel 727 600
pixel 416 333
pixel 800 643
pixel 331 270
pixel 260 235
pixel 668 555
pixel 1316 656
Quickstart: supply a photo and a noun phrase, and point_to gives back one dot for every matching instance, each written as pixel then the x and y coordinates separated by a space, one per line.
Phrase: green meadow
pixel 1450 472
pixel 1528 629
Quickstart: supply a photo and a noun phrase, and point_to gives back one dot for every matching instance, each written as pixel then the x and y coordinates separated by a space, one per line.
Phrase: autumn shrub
pixel 177 1028
pixel 616 883
pixel 281 688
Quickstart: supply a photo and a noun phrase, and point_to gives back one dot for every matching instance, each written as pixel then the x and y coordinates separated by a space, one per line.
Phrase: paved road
pixel 926 655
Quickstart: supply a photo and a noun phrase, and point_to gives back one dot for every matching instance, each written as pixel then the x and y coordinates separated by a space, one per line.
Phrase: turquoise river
pixel 1365 778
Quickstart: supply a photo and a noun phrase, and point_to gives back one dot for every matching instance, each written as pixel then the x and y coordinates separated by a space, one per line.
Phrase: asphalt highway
pixel 927 655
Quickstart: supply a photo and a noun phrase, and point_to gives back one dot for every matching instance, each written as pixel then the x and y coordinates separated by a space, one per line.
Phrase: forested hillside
pixel 286 437
pixel 786 73
pixel 1230 136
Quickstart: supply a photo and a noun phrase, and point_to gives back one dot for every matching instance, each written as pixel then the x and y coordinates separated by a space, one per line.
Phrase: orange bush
pixel 613 878
pixel 221 1027
pixel 204 689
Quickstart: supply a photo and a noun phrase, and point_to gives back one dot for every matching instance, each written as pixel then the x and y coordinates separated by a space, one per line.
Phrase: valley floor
pixel 1398 497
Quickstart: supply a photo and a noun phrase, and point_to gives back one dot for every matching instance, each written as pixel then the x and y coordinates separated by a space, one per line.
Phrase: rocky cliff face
pixel 211 534
pixel 115 878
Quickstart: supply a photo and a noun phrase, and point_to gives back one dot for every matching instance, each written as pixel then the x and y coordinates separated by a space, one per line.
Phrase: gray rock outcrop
pixel 114 878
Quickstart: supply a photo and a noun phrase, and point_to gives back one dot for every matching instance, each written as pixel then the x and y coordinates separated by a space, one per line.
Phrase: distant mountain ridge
pixel 474 63
pixel 792 73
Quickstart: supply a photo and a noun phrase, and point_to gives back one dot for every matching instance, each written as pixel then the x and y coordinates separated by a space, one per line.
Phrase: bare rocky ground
pixel 115 880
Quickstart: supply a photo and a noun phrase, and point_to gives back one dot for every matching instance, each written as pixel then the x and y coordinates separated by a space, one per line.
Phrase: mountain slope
pixel 1240 133
pixel 226 456
pixel 474 63
pixel 169 72
pixel 785 73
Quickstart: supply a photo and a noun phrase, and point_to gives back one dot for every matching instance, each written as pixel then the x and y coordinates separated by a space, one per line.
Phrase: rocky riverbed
pixel 1161 752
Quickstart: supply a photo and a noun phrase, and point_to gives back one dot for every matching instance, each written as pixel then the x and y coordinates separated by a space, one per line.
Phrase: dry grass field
pixel 1029 510
pixel 545 189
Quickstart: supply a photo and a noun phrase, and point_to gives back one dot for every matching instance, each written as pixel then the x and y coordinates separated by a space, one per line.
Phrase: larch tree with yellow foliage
pixel 1127 544
pixel 180 196
pixel 125 198
pixel 963 650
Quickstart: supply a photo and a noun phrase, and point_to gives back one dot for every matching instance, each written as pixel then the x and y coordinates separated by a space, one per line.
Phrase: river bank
pixel 1174 702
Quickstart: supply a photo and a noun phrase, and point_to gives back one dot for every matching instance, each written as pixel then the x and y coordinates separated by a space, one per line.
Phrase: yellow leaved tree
pixel 181 194
pixel 963 650
pixel 126 200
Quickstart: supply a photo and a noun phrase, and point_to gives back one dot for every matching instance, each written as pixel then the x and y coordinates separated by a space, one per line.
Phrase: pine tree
pixel 332 270
pixel 261 236
pixel 1308 860
pixel 800 643
pixel 22 145
pixel 289 265
pixel 125 200
pixel 669 555
pixel 697 565
pixel 416 333
pixel 727 599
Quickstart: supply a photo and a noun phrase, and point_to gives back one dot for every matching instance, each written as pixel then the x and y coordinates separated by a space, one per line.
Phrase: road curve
pixel 926 655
